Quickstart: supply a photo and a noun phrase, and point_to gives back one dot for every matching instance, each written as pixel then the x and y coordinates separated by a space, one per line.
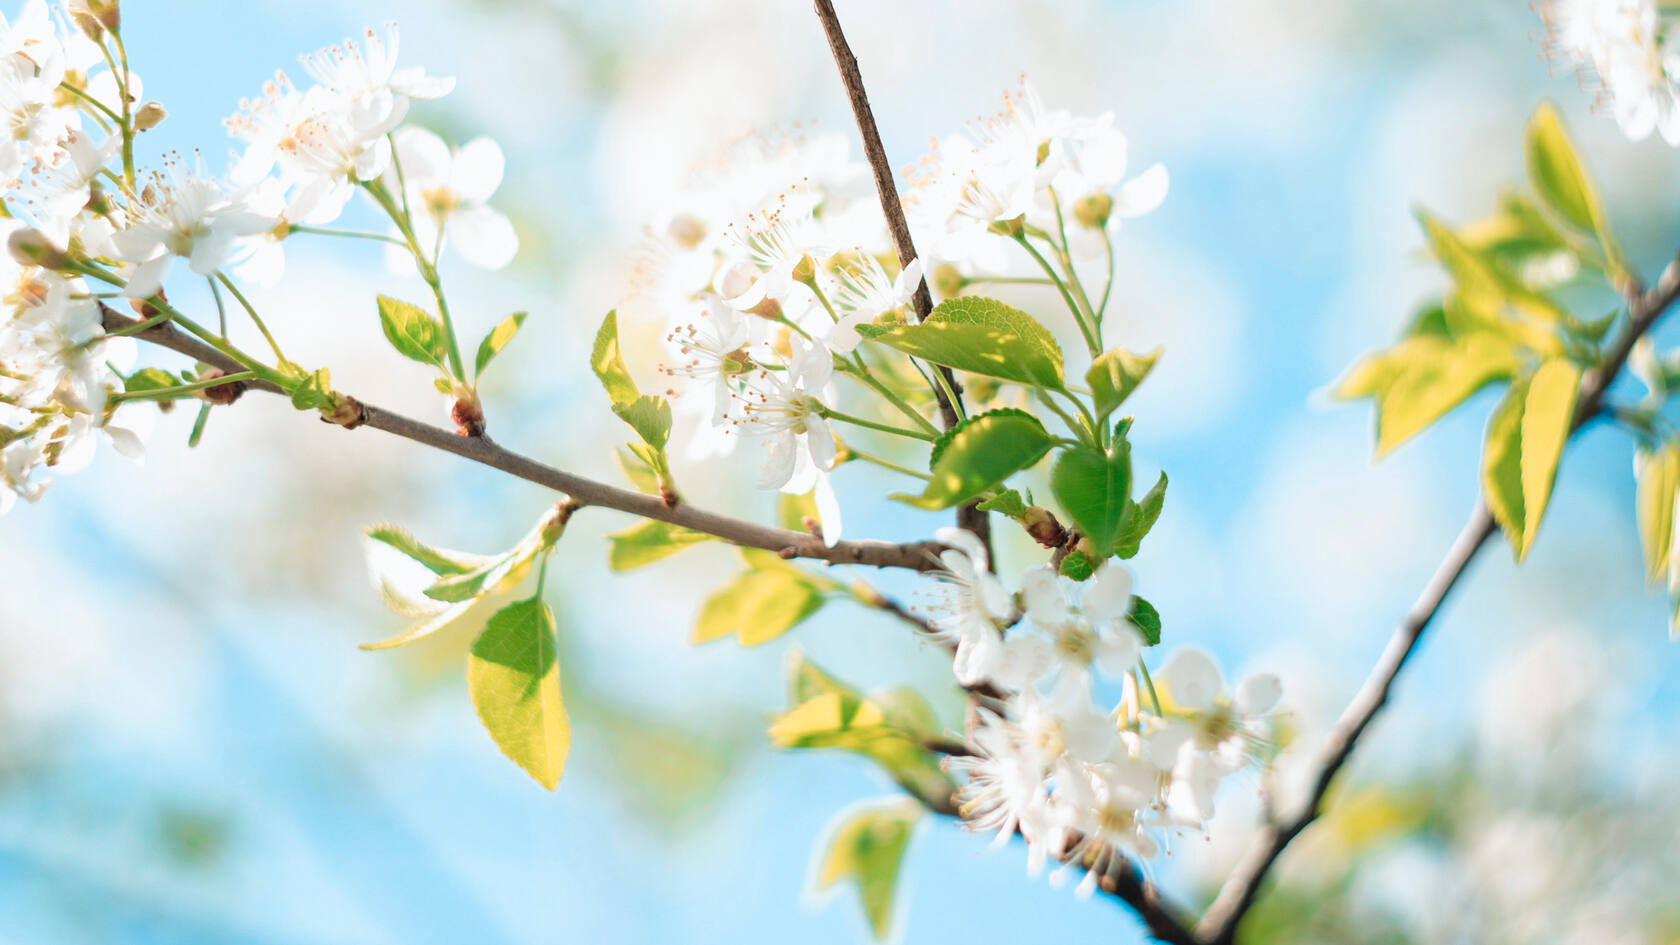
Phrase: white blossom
pixel 448 190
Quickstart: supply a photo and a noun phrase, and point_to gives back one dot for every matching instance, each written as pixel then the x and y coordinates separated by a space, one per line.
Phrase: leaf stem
pixel 833 414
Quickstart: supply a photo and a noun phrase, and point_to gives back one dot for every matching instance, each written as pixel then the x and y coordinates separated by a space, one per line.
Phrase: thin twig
pixel 914 556
pixel 969 516
pixel 1219 924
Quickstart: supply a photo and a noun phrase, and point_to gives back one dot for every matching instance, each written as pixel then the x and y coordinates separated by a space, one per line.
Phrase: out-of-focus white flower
pixel 447 189
pixel 1213 734
pixel 31 125
pixel 1095 632
pixel 977 604
pixel 1636 56
pixel 769 251
pixel 714 353
pixel 187 215
pixel 1094 191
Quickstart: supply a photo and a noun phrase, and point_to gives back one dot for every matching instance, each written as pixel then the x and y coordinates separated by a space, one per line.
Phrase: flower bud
pixel 149 116
pixel 95 17
pixel 769 309
pixel 1013 228
pixel 1043 527
pixel 144 308
pixel 346 411
pixel 29 247
pixel 805 270
pixel 221 394
pixel 467 411
pixel 553 523
pixel 1093 211
pixel 947 281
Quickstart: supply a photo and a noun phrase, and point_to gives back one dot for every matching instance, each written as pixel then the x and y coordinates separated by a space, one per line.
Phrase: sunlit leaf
pixel 866 848
pixel 1093 487
pixel 981 336
pixel 980 453
pixel 496 340
pixel 1657 478
pixel 1114 375
pixel 415 334
pixel 648 541
pixel 513 676
pixel 1525 439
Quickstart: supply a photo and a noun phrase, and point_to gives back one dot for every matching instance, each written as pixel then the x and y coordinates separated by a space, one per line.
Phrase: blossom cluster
pixel 765 269
pixel 1082 782
pixel 89 221
pixel 1629 47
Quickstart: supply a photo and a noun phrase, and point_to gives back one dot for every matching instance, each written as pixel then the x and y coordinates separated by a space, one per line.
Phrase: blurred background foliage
pixel 192 749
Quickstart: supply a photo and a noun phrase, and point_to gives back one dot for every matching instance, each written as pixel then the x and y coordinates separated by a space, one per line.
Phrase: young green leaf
pixel 1146 619
pixel 1008 503
pixel 981 336
pixel 867 848
pixel 979 453
pixel 1114 375
pixel 496 340
pixel 150 379
pixel 1657 478
pixel 792 511
pixel 649 541
pixel 1478 277
pixel 415 334
pixel 440 561
pixel 608 364
pixel 315 392
pixel 638 470
pixel 1076 566
pixel 649 416
pixel 1093 487
pixel 1525 439
pixel 513 676
pixel 1140 518
pixel 1418 380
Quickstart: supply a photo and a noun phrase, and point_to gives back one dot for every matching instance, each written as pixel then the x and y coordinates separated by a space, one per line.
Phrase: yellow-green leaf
pixel 1114 375
pixel 414 333
pixel 608 364
pixel 866 848
pixel 1657 478
pixel 758 606
pixel 649 541
pixel 1524 442
pixel 1422 377
pixel 1559 177
pixel 513 676
pixel 496 340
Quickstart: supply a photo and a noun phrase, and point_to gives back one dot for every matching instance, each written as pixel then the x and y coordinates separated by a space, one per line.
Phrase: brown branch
pixel 969 516
pixel 914 556
pixel 1219 924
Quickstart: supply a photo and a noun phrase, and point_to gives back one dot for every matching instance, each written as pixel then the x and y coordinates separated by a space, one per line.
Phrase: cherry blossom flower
pixel 865 293
pixel 447 190
pixel 786 406
pixel 186 215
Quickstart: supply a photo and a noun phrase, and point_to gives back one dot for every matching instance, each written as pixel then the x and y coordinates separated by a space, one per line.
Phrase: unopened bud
pixel 947 281
pixel 1043 527
pixel 769 309
pixel 221 394
pixel 149 116
pixel 95 17
pixel 144 308
pixel 805 270
pixel 1093 211
pixel 467 411
pixel 30 248
pixel 553 523
pixel 346 411
pixel 1013 227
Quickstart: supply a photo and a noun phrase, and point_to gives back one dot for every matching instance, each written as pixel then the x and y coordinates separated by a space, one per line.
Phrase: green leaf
pixel 415 334
pixel 649 416
pixel 1114 375
pixel 649 541
pixel 315 392
pixel 1140 518
pixel 867 848
pixel 496 340
pixel 1657 478
pixel 1007 502
pixel 792 511
pixel 1418 380
pixel 1525 439
pixel 981 336
pixel 608 364
pixel 440 561
pixel 637 469
pixel 1093 487
pixel 1147 619
pixel 513 676
pixel 149 379
pixel 758 606
pixel 978 454
pixel 1076 566
pixel 1478 277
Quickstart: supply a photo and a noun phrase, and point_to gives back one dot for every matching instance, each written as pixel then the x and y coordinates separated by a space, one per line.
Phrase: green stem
pixel 1154 699
pixel 869 380
pixel 833 414
pixel 856 453
pixel 220 344
pixel 96 103
pixel 125 122
pixel 348 234
pixel 428 270
pixel 1108 283
pixel 221 307
pixel 171 393
pixel 252 311
pixel 1073 306
pixel 139 326
pixel 1078 429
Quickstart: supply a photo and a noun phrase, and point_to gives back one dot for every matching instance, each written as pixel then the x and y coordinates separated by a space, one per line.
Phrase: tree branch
pixel 1219 924
pixel 969 516
pixel 914 556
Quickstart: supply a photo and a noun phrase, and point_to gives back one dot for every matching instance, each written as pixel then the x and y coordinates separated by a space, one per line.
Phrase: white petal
pixel 820 441
pixel 1193 679
pixel 1142 193
pixel 145 281
pixel 1118 650
pixel 477 170
pixel 1045 602
pixel 484 237
pixel 778 468
pixel 828 511
pixel 1257 694
pixel 1109 595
